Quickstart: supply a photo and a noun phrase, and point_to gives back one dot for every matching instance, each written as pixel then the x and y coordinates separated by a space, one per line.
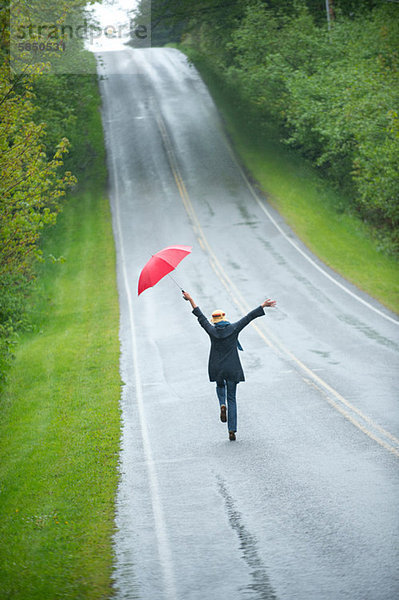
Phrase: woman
pixel 224 365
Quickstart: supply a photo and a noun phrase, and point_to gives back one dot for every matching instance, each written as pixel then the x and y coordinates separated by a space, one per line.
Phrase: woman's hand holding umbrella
pixel 187 297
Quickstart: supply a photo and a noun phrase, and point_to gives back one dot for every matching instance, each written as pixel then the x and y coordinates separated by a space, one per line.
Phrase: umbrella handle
pixel 174 280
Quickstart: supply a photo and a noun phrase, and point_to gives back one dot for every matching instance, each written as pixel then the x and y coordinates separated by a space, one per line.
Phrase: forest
pixel 325 73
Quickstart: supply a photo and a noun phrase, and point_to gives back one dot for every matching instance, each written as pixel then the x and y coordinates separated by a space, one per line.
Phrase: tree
pixel 33 179
pixel 31 192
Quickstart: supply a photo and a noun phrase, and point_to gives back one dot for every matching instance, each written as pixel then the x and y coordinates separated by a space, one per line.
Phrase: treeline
pixel 44 151
pixel 330 85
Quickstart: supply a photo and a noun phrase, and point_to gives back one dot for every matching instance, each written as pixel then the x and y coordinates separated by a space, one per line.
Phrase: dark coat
pixel 224 362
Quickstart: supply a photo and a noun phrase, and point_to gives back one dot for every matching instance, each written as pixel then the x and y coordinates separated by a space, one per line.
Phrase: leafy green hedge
pixel 334 94
pixel 44 136
pixel 45 144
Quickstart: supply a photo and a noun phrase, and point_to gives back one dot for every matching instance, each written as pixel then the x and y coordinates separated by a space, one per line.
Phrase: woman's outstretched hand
pixel 268 303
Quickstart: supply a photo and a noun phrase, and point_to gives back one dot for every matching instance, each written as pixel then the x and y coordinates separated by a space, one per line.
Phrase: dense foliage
pixel 334 93
pixel 332 90
pixel 31 190
pixel 43 121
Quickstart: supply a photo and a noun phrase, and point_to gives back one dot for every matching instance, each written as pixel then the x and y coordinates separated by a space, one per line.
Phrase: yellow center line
pixel 271 340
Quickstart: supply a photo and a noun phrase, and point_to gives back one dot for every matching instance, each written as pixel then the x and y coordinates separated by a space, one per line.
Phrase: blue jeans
pixel 230 386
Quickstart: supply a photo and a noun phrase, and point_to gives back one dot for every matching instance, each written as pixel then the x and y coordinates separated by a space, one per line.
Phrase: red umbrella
pixel 160 264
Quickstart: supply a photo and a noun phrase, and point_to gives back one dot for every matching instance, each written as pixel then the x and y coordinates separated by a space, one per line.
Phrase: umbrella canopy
pixel 160 264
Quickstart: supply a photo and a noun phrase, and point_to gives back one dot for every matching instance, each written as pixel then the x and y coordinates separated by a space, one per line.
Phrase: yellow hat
pixel 218 315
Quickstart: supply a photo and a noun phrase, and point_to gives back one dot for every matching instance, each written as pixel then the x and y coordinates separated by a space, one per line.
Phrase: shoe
pixel 232 436
pixel 223 417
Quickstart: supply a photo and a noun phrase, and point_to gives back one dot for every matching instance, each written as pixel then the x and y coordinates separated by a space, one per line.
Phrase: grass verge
pixel 309 204
pixel 59 418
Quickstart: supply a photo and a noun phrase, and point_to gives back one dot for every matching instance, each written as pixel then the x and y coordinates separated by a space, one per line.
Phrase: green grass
pixel 308 203
pixel 60 418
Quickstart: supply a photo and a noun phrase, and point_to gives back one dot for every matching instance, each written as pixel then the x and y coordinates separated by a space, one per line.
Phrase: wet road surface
pixel 304 505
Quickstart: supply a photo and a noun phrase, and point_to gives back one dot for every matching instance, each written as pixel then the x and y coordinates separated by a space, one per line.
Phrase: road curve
pixel 304 504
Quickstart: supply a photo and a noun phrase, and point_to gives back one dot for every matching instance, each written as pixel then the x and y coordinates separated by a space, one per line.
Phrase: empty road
pixel 304 505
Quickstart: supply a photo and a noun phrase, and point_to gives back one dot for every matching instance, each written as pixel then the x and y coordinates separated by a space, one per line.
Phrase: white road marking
pixel 165 555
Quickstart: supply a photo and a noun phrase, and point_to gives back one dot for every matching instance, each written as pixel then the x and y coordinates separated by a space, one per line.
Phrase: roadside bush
pixel 343 116
pixel 46 133
pixel 65 104
pixel 32 188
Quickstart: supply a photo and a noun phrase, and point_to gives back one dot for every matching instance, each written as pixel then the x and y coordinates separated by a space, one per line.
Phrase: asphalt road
pixel 304 505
